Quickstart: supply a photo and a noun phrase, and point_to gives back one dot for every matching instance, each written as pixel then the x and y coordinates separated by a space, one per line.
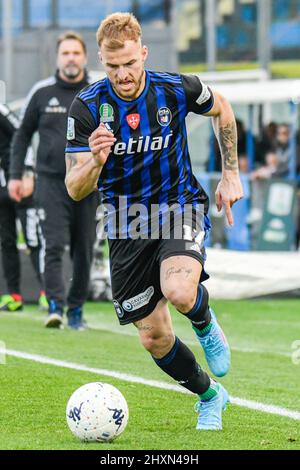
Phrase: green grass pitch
pixel 34 395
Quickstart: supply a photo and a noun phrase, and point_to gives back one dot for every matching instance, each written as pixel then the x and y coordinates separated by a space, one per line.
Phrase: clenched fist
pixel 100 143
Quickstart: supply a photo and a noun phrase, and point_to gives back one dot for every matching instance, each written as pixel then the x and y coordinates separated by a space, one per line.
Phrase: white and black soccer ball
pixel 97 412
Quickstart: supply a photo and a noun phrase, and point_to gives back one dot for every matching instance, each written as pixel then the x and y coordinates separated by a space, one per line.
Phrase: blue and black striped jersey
pixel 150 161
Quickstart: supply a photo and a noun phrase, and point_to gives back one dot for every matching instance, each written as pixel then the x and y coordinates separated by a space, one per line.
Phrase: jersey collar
pixel 72 85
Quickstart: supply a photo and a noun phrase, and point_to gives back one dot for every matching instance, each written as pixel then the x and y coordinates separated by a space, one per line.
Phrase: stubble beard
pixel 133 95
pixel 71 72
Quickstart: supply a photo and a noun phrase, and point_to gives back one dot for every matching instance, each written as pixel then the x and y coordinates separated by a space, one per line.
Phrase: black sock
pixel 200 315
pixel 180 364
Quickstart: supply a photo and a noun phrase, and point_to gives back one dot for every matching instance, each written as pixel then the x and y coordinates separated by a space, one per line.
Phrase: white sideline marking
pixel 101 327
pixel 253 405
pixel 98 326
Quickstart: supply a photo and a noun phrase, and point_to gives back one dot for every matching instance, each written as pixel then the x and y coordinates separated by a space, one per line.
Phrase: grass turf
pixel 34 395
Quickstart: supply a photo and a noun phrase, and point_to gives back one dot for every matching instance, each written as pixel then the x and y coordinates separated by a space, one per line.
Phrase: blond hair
pixel 118 28
pixel 71 35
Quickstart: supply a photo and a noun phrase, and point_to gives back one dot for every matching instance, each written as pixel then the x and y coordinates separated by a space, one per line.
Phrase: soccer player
pixel 9 212
pixel 128 137
pixel 63 221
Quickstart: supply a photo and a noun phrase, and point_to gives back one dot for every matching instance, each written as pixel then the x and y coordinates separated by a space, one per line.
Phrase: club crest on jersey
pixel 106 113
pixel 164 116
pixel 133 120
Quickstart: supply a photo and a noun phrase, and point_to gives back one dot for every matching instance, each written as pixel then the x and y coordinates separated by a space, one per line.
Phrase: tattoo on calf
pixel 228 144
pixel 172 270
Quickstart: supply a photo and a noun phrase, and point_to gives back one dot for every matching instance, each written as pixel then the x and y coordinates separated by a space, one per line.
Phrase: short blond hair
pixel 118 28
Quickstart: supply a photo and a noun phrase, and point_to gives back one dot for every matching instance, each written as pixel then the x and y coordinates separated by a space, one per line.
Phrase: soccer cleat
pixel 9 304
pixel 75 320
pixel 54 318
pixel 216 348
pixel 210 411
pixel 43 302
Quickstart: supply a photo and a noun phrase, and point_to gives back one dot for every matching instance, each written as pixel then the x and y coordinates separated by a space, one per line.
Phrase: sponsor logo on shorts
pixel 139 300
pixel 119 311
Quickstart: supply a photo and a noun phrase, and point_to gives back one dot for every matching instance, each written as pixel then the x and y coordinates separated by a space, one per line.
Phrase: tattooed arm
pixel 82 174
pixel 83 169
pixel 229 189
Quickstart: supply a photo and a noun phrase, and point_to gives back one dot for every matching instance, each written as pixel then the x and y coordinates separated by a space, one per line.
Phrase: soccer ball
pixel 97 412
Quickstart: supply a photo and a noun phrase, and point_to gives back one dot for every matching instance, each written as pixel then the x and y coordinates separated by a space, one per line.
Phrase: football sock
pixel 211 392
pixel 180 364
pixel 200 315
pixel 203 331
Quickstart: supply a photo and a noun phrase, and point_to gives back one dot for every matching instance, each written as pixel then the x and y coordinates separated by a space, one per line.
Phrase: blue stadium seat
pixel 285 34
pixel 223 36
pixel 281 9
pixel 248 13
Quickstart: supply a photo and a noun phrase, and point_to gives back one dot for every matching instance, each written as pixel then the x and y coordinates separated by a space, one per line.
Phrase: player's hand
pixel 15 190
pixel 229 190
pixel 101 142
pixel 28 185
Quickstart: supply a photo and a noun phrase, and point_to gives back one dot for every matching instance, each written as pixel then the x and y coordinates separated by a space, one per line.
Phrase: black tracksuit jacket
pixel 46 110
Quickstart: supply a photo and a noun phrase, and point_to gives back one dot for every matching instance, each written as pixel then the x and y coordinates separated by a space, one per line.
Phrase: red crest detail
pixel 133 120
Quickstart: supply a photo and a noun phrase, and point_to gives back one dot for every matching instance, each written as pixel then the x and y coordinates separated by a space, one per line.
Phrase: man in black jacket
pixel 9 211
pixel 63 221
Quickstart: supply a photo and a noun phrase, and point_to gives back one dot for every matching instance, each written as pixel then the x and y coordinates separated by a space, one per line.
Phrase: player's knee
pixel 149 343
pixel 158 346
pixel 181 296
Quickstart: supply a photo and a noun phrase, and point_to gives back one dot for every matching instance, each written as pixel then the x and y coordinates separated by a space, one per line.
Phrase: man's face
pixel 125 68
pixel 71 60
pixel 283 135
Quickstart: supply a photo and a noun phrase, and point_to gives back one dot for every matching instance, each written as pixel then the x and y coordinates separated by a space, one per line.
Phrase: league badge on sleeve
pixel 71 129
pixel 205 94
pixel 164 116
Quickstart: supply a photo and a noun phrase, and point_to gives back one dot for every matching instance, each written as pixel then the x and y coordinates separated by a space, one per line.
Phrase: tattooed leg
pixel 156 330
pixel 179 280
pixel 169 353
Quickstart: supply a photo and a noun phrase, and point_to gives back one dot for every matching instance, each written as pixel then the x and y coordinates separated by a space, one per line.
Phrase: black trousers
pixel 66 222
pixel 27 214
